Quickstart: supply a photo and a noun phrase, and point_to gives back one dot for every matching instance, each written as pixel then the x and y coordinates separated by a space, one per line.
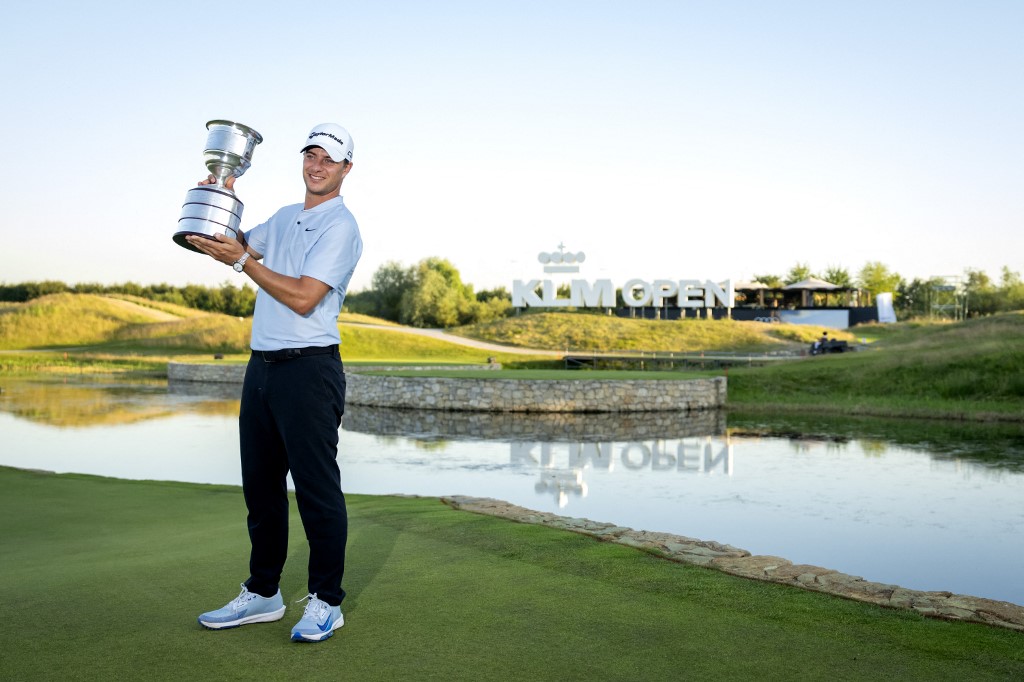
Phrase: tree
pixel 876 278
pixel 389 284
pixel 431 303
pixel 437 297
pixel 915 299
pixel 839 276
pixel 492 304
pixel 1012 290
pixel 771 281
pixel 982 295
pixel 798 273
pixel 497 292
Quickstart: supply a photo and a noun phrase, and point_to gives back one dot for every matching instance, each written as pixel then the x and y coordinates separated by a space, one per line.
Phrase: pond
pixel 924 505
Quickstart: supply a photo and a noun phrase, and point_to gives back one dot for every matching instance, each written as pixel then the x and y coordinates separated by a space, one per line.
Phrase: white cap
pixel 334 140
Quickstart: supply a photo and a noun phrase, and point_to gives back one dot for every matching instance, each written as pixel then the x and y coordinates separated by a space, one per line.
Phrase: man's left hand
pixel 221 248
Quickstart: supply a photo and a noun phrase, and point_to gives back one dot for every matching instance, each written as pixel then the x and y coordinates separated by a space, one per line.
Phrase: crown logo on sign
pixel 561 261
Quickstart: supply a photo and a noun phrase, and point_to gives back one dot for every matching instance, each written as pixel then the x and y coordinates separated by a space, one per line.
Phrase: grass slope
pixel 117 324
pixel 365 344
pixel 103 580
pixel 974 366
pixel 104 326
pixel 579 332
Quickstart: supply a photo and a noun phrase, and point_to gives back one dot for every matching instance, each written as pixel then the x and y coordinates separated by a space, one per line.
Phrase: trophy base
pixel 208 209
pixel 179 239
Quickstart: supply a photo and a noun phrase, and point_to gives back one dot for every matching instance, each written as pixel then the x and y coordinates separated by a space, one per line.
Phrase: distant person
pixel 293 395
pixel 819 346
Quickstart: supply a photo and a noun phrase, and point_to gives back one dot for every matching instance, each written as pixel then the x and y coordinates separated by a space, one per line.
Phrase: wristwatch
pixel 239 264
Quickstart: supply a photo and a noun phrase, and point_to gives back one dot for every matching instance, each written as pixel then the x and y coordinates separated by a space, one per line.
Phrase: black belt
pixel 292 353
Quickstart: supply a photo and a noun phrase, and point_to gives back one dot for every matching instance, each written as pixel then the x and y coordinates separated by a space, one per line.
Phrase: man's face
pixel 321 174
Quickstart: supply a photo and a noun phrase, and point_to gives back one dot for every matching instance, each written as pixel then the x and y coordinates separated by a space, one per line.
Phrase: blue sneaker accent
pixel 246 608
pixel 318 622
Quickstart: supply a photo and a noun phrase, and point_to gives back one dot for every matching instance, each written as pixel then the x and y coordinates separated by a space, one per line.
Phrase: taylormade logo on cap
pixel 334 139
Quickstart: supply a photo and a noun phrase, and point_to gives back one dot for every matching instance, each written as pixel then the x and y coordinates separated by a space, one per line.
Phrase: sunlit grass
pixel 362 344
pixel 969 366
pixel 576 332
pixel 359 318
pixel 67 320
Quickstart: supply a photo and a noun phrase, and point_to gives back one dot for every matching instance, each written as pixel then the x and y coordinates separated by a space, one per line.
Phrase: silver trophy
pixel 210 209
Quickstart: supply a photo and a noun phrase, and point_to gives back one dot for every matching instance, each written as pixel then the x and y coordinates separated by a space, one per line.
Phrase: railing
pixel 650 360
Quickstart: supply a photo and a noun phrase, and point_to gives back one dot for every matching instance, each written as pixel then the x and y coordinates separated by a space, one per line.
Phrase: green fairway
pixel 103 580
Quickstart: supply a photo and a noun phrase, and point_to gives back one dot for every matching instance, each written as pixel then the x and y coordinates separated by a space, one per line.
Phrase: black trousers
pixel 289 421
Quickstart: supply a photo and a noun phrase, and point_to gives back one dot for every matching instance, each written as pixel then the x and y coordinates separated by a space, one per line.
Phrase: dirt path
pixel 442 335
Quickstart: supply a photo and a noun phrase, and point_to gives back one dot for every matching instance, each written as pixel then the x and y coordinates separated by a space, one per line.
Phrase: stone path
pixel 740 562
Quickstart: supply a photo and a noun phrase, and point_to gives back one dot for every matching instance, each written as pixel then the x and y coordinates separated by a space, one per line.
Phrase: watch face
pixel 238 266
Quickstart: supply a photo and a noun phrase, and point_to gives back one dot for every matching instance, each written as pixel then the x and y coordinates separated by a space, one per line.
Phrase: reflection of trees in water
pixel 995 445
pixel 101 401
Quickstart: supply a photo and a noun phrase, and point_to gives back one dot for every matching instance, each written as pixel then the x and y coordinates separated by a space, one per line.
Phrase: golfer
pixel 293 395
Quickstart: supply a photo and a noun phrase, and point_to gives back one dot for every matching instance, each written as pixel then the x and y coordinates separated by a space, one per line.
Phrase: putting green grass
pixel 103 580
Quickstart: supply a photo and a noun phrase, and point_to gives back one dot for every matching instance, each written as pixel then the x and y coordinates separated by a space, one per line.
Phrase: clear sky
pixel 664 139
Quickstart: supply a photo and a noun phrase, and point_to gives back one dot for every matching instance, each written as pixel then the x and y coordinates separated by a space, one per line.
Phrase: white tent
pixel 812 284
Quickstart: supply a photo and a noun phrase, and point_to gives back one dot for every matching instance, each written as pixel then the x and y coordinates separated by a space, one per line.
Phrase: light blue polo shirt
pixel 323 243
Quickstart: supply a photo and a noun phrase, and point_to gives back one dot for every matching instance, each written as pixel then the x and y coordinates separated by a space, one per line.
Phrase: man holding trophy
pixel 293 396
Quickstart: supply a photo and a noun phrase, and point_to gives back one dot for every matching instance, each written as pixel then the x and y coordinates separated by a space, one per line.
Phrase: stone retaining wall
pixel 551 427
pixel 498 395
pixel 207 373
pixel 518 395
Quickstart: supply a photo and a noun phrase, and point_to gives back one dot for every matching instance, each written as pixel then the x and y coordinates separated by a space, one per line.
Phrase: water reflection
pixel 998 445
pixel 562 447
pixel 561 467
pixel 925 505
pixel 90 401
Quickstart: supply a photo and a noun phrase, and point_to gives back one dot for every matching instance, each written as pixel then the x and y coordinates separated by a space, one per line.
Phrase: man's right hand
pixel 211 179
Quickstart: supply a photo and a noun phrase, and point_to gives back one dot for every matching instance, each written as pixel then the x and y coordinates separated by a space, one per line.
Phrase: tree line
pixel 227 298
pixel 972 294
pixel 431 293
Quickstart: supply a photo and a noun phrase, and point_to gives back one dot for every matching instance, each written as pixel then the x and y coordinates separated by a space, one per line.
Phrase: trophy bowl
pixel 214 208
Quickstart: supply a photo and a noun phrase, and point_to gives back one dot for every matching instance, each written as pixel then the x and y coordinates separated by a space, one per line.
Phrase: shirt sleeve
pixel 257 238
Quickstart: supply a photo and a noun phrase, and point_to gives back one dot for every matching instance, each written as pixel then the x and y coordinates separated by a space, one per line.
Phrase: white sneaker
pixel 318 622
pixel 246 608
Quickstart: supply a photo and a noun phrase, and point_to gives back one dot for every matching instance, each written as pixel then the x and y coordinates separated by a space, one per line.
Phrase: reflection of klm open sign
pixel 210 209
pixel 562 465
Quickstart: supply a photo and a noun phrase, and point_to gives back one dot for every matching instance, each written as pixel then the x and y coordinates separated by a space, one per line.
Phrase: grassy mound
pixel 966 366
pixel 68 320
pixel 118 323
